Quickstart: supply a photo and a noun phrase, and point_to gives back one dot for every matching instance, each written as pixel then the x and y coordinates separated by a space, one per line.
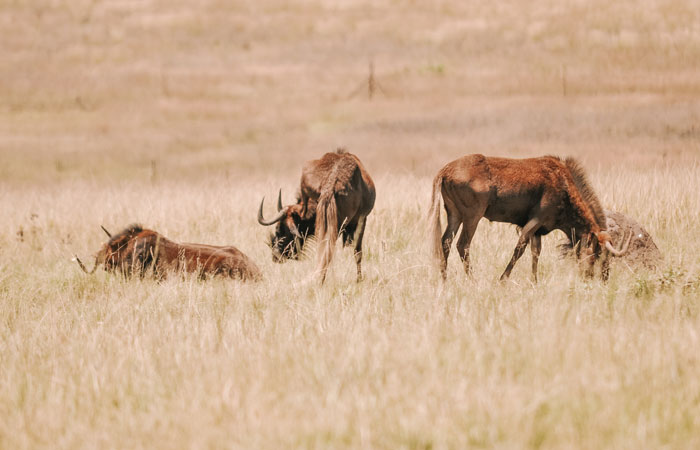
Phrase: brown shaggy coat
pixel 539 195
pixel 135 250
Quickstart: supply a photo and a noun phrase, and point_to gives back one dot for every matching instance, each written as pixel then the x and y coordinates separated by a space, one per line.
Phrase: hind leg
pixel 357 241
pixel 465 239
pixel 528 231
pixel 535 248
pixel 453 222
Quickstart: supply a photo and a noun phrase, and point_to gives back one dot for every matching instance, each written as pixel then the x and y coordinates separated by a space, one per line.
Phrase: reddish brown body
pixel 136 251
pixel 539 195
pixel 335 196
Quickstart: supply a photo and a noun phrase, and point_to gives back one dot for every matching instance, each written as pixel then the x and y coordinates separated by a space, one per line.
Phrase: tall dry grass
pixel 399 360
pixel 182 114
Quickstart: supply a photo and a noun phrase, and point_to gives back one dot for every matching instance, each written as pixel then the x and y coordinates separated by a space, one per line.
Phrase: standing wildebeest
pixel 134 250
pixel 537 194
pixel 335 196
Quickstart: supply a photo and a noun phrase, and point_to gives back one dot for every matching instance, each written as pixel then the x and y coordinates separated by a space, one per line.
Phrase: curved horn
pixel 261 219
pixel 109 235
pixel 622 251
pixel 82 266
pixel 279 201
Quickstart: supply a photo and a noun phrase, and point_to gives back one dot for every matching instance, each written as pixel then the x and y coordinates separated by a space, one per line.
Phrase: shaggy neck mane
pixel 132 229
pixel 586 191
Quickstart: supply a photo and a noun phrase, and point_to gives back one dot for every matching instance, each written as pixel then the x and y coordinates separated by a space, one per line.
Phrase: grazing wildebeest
pixel 538 195
pixel 335 196
pixel 134 250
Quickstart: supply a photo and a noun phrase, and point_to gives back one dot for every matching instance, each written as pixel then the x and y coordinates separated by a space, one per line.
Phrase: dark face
pixel 285 243
pixel 111 254
pixel 587 251
pixel 128 253
pixel 119 251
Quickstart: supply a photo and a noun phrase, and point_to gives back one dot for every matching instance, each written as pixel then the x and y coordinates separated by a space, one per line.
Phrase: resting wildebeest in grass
pixel 538 195
pixel 335 197
pixel 642 251
pixel 135 250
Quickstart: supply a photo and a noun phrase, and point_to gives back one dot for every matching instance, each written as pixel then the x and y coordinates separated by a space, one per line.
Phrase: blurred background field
pixel 100 88
pixel 183 114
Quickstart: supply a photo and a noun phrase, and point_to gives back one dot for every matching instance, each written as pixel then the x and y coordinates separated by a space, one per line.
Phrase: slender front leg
pixel 535 248
pixel 587 255
pixel 357 240
pixel 528 231
pixel 605 265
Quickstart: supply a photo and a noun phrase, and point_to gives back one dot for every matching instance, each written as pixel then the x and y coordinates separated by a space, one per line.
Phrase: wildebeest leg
pixel 587 255
pixel 139 257
pixel 453 223
pixel 357 241
pixel 535 248
pixel 465 239
pixel 528 231
pixel 605 266
pixel 594 253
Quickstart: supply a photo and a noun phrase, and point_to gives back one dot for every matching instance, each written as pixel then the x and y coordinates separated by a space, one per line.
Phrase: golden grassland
pixel 182 115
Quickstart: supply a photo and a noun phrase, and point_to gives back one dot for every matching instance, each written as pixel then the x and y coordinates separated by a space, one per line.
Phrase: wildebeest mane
pixel 130 230
pixel 586 191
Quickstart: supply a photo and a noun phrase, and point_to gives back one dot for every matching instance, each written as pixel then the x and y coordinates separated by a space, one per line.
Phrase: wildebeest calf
pixel 135 251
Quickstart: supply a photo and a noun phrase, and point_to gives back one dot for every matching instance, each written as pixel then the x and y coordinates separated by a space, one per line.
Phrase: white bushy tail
pixel 326 230
pixel 435 231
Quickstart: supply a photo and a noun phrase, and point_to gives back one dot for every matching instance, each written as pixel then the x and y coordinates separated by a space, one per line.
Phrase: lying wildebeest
pixel 642 251
pixel 135 250
pixel 335 197
pixel 537 194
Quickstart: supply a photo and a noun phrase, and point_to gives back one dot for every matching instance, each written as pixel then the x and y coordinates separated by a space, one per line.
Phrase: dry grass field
pixel 181 115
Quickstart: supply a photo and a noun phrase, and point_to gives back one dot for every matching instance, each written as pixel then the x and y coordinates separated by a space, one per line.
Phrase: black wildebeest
pixel 335 197
pixel 538 195
pixel 134 250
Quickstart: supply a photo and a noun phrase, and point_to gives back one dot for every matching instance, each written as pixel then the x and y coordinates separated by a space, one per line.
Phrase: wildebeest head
pixel 115 254
pixel 591 247
pixel 291 231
